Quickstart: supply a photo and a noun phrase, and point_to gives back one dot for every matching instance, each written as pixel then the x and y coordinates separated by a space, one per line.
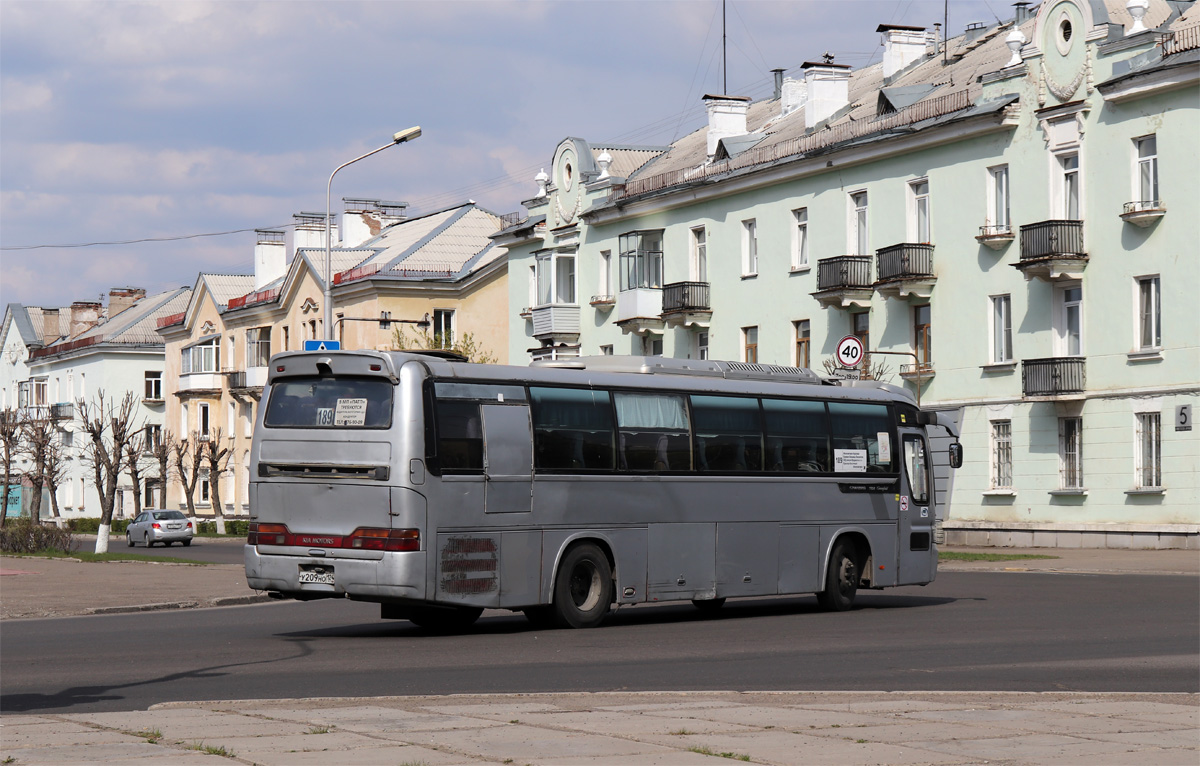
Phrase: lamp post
pixel 398 138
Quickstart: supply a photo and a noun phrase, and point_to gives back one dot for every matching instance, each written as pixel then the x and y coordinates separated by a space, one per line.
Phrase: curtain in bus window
pixel 728 433
pixel 572 429
pixel 652 432
pixel 861 438
pixel 330 403
pixel 797 436
pixel 918 477
pixel 460 436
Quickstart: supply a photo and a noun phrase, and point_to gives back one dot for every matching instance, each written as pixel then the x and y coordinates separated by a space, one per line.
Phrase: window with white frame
pixel 606 350
pixel 247 420
pixel 1148 445
pixel 232 354
pixel 605 281
pixel 443 327
pixel 204 356
pixel 1001 321
pixel 1070 453
pixel 205 488
pixel 749 247
pixel 859 235
pixel 153 389
pixel 231 420
pixel 750 344
pixel 803 342
pixel 700 351
pixel 1001 454
pixel 800 239
pixel 1149 318
pixel 1069 321
pixel 202 423
pixel 861 324
pixel 1069 186
pixel 1146 151
pixel 919 226
pixel 641 260
pixel 998 219
pixel 183 421
pixel 533 293
pixel 698 265
pixel 922 335
pixel 153 438
pixel 555 279
pixel 652 344
pixel 258 346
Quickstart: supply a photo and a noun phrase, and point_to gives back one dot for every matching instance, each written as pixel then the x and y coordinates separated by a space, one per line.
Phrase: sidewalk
pixel 649 728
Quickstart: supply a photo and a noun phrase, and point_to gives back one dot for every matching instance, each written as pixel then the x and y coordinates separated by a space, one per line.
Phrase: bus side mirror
pixel 956 455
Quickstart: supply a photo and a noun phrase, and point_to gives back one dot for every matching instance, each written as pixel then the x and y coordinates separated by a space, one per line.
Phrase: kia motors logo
pixel 318 540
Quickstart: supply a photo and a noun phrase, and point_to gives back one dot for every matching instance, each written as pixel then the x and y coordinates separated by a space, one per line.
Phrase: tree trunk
pixel 54 513
pixel 102 538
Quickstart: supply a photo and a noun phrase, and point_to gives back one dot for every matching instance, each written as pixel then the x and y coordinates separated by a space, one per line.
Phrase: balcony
pixel 1143 212
pixel 686 304
pixel 844 282
pixel 639 310
pixel 62 411
pixel 905 270
pixel 917 372
pixel 1052 250
pixel 557 322
pixel 995 236
pixel 1056 376
pixel 603 302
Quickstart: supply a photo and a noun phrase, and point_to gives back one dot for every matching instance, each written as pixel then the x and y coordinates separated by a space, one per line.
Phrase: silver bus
pixel 438 488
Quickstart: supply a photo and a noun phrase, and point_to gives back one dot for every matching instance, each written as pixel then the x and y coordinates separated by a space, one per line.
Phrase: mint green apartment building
pixel 1011 216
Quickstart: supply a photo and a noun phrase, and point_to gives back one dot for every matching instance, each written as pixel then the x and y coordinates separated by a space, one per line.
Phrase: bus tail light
pixel 267 534
pixel 377 539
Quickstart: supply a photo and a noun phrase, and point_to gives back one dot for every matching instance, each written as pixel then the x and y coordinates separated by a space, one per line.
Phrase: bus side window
pixel 572 429
pixel 862 428
pixel 653 432
pixel 460 436
pixel 728 433
pixel 797 436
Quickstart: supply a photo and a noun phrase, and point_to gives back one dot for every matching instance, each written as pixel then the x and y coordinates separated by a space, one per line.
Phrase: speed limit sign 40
pixel 849 351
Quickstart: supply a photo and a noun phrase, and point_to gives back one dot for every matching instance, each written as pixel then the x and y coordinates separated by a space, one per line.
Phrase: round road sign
pixel 849 351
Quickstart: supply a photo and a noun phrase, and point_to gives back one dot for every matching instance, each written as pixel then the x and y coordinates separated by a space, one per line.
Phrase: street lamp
pixel 407 134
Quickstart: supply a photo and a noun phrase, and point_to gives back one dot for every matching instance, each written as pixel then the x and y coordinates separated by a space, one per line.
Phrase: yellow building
pixel 437 280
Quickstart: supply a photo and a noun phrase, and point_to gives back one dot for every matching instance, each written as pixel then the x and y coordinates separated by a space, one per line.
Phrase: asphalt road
pixel 967 631
pixel 210 550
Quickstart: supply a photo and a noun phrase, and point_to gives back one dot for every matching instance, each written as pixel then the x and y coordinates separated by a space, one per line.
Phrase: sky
pixel 124 121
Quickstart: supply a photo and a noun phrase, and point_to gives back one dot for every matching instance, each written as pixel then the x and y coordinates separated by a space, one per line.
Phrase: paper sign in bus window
pixel 350 412
pixel 324 416
pixel 849 460
pixel 885 447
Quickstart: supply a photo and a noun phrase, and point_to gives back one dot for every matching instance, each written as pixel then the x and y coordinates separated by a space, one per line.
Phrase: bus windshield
pixel 346 402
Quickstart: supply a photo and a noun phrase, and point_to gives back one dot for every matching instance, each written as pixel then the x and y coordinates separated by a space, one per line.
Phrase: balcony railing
pixel 844 271
pixel 905 261
pixel 62 411
pixel 1048 239
pixel 236 379
pixel 685 296
pixel 1053 376
pixel 1142 206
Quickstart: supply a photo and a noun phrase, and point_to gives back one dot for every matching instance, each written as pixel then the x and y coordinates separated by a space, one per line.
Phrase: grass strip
pixel 110 556
pixel 964 556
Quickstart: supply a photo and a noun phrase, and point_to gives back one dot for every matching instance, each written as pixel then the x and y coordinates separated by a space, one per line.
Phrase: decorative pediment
pixel 208 328
pixel 309 306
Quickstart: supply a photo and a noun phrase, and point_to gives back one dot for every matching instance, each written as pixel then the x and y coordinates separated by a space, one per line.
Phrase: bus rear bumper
pixel 395 576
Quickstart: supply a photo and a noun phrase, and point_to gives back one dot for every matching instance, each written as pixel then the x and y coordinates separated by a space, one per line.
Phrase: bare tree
pixel 136 464
pixel 55 469
pixel 161 452
pixel 188 455
pixel 10 448
pixel 109 426
pixel 463 343
pixel 37 434
pixel 216 456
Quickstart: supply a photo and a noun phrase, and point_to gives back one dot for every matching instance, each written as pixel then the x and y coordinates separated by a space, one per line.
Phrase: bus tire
pixel 444 619
pixel 583 591
pixel 841 579
pixel 708 605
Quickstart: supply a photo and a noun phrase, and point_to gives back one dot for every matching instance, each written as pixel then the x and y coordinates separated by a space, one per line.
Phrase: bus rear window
pixel 330 403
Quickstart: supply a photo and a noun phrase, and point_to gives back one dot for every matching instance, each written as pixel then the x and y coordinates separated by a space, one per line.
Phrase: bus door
pixel 917 512
pixel 507 458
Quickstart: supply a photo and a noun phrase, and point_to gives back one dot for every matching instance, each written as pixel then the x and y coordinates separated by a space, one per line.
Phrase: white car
pixel 157 526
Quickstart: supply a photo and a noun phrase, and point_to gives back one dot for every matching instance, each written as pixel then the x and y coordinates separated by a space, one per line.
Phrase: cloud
pixel 23 96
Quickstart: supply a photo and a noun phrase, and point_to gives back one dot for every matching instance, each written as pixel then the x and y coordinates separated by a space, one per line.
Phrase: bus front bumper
pixel 394 576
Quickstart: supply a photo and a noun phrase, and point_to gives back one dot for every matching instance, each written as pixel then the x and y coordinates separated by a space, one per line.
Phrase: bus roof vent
pixel 751 371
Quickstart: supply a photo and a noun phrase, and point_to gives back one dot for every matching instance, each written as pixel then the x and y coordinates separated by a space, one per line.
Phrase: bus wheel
pixel 841 581
pixel 584 589
pixel 444 619
pixel 708 605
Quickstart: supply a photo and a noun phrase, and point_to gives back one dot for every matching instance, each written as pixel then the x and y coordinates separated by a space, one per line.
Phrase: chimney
pixel 84 316
pixel 50 331
pixel 121 298
pixel 974 31
pixel 270 256
pixel 726 117
pixel 363 219
pixel 901 46
pixel 794 95
pixel 310 231
pixel 828 87
pixel 1022 12
pixel 778 82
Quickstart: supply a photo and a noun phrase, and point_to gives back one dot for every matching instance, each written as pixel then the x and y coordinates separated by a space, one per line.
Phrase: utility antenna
pixel 724 55
pixel 946 26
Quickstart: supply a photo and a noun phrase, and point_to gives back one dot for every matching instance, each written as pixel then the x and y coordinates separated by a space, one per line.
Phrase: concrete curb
pixel 260 598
